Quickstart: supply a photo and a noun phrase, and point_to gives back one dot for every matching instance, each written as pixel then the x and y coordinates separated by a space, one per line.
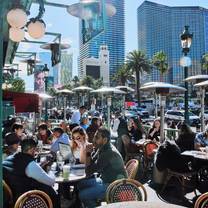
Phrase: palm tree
pixel 138 63
pixel 205 63
pixel 76 81
pixel 88 81
pixel 98 83
pixel 160 61
pixel 18 85
pixel 122 75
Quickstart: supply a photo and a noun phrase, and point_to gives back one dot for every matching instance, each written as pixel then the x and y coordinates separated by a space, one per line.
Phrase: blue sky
pixel 59 21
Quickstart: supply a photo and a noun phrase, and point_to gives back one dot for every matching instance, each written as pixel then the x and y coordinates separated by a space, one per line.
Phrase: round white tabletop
pixel 140 204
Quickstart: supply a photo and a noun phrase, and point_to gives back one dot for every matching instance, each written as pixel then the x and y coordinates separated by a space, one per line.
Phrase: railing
pixel 171 134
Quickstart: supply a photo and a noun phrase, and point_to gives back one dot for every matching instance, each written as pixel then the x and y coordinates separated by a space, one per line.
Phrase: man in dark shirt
pixel 107 162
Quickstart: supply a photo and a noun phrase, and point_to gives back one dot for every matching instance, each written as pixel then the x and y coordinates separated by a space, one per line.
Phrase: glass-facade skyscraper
pixel 159 29
pixel 113 37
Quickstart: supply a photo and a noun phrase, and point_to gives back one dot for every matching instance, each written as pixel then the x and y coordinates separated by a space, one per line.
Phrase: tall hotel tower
pixel 113 37
pixel 159 28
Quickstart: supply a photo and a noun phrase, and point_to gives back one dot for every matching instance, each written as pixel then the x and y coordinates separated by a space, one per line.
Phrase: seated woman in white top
pixel 78 143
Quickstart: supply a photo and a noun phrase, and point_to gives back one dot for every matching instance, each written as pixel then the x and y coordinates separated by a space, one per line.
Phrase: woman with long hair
pixel 154 132
pixel 78 143
pixel 135 129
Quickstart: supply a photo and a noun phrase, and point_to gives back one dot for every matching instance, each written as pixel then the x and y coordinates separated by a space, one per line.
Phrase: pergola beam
pixel 52 4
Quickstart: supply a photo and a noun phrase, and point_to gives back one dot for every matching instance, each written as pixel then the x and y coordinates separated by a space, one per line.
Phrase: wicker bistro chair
pixel 32 199
pixel 149 150
pixel 132 168
pixel 125 190
pixel 131 150
pixel 202 201
pixel 8 196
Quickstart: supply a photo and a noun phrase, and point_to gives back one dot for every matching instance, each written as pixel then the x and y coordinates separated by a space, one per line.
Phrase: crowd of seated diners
pixel 90 144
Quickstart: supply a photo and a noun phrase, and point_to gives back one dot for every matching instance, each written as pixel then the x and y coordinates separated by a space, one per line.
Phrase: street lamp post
pixel 46 72
pixel 186 40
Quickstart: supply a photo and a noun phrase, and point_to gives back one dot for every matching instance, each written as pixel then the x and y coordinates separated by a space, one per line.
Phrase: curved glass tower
pixel 159 28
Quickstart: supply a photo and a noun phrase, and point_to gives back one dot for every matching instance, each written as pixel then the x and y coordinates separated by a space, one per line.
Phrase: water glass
pixel 66 171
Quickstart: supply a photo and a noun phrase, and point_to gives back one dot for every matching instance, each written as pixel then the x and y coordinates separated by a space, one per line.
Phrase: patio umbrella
pixel 109 91
pixel 44 96
pixel 125 88
pixel 200 79
pixel 82 90
pixel 163 89
pixel 65 92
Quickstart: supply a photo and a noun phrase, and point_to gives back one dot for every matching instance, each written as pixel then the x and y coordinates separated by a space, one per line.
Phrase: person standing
pixel 76 116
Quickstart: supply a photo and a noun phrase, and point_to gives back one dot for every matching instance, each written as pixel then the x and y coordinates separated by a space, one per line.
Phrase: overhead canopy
pixel 23 102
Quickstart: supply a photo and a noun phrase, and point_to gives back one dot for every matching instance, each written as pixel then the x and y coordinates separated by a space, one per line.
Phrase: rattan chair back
pixel 34 198
pixel 202 201
pixel 132 168
pixel 8 196
pixel 125 190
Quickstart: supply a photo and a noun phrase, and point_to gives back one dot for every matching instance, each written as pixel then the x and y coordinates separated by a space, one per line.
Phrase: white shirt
pixel 116 124
pixel 76 117
pixel 33 170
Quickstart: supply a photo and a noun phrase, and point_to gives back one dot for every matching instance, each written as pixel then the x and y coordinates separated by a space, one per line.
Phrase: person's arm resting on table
pixel 33 170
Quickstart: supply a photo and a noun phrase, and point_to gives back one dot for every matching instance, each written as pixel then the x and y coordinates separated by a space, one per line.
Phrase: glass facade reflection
pixel 113 37
pixel 159 28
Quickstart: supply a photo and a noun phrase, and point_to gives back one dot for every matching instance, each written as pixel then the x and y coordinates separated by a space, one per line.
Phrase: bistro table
pixel 77 173
pixel 196 154
pixel 140 204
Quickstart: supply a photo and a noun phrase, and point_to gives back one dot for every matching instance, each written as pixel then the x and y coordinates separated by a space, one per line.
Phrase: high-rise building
pixel 113 37
pixel 159 29
pixel 66 67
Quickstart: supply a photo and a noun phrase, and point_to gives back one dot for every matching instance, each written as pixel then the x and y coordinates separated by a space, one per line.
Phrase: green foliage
pixel 52 91
pixel 18 85
pixel 205 63
pixel 98 83
pixel 88 81
pixel 159 60
pixel 122 75
pixel 76 81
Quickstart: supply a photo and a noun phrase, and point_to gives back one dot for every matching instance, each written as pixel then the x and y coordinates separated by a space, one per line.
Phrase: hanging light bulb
pixel 16 34
pixel 17 18
pixel 36 29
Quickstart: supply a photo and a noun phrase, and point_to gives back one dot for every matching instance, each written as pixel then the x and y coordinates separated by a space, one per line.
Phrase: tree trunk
pixel 138 87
